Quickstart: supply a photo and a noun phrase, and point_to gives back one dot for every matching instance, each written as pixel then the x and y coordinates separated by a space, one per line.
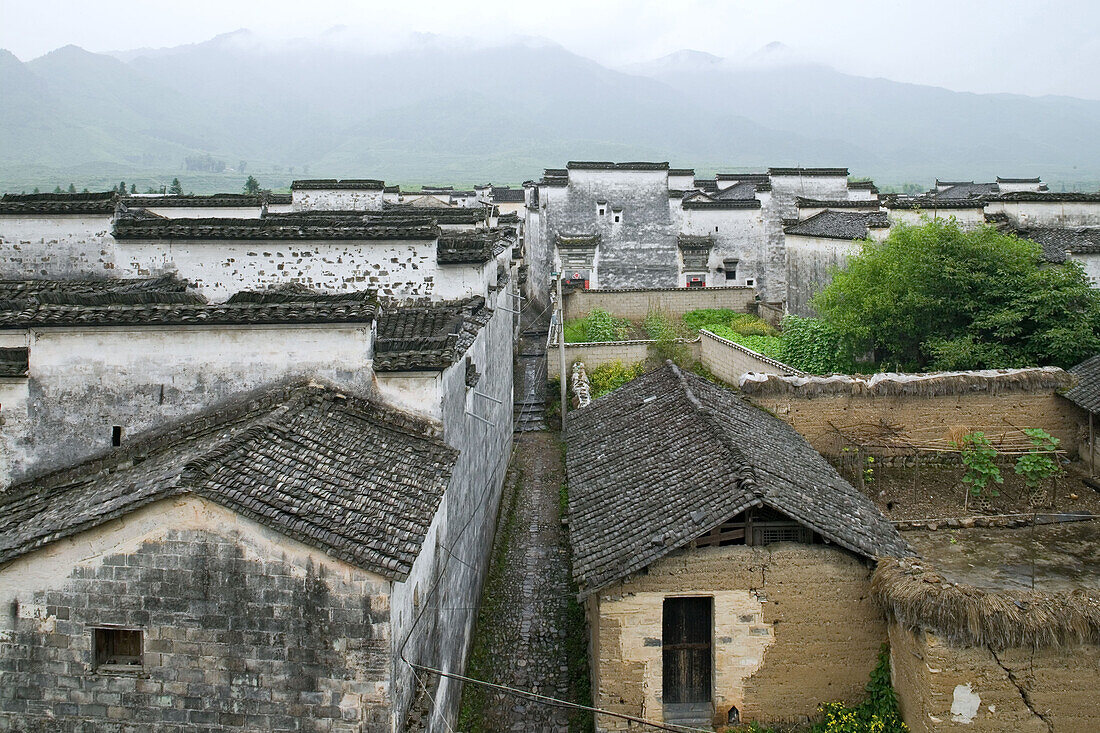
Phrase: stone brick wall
pixel 793 626
pixel 594 355
pixel 636 304
pixel 728 361
pixel 975 689
pixel 925 417
pixel 243 628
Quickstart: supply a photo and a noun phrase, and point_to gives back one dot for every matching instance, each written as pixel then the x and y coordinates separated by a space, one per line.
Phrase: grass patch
pixel 475 698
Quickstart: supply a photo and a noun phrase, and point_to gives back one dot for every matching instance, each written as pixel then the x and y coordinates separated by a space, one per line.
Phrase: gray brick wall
pixel 231 642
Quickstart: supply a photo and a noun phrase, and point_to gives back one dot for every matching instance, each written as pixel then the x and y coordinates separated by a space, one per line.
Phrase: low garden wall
pixel 607 352
pixel 637 304
pixel 729 361
pixel 917 409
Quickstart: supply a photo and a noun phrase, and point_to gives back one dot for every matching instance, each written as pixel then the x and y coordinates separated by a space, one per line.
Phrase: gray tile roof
pixel 1048 197
pixel 927 202
pixel 428 337
pixel 839 224
pixel 164 301
pixel 1086 393
pixel 354 478
pixel 670 456
pixel 968 190
pixel 13 204
pixel 504 194
pixel 1058 242
pixel 474 247
pixel 740 191
pixel 14 362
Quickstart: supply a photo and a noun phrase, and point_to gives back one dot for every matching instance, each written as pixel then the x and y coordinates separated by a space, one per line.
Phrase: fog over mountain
pixel 443 109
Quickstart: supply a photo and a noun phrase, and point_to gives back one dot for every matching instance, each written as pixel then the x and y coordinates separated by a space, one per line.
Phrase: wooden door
pixel 687 646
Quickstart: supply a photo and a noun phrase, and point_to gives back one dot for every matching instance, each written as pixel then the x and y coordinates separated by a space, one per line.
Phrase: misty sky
pixel 967 45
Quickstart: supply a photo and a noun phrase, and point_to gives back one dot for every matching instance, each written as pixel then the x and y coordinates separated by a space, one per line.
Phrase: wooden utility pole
pixel 561 350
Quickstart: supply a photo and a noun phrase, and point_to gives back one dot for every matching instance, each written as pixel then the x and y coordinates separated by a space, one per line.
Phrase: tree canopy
pixel 935 296
pixel 252 186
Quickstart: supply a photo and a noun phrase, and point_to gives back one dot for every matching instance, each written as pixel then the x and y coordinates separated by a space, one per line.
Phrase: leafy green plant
pixel 597 326
pixel 978 454
pixel 1038 464
pixel 814 346
pixel 869 470
pixel 877 714
pixel 609 377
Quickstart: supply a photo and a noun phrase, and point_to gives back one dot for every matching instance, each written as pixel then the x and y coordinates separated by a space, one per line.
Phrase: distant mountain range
pixel 440 111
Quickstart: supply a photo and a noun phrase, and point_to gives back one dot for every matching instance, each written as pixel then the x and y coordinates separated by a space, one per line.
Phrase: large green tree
pixel 934 296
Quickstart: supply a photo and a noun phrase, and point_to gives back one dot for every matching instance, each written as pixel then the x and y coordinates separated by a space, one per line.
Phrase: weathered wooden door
pixel 687 646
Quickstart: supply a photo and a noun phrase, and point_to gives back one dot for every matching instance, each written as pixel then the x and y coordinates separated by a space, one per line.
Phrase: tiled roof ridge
pixel 322 184
pixel 201 200
pixel 33 197
pixel 744 476
pixel 803 202
pixel 609 165
pixel 338 309
pixel 808 172
pixel 130 227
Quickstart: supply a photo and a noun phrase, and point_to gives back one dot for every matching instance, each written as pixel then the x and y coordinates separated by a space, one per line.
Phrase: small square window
pixel 116 435
pixel 618 218
pixel 601 211
pixel 118 649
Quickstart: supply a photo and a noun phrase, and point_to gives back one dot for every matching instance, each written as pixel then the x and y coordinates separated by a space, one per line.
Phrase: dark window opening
pixel 618 218
pixel 731 274
pixel 117 647
pixel 686 650
pixel 760 526
pixel 116 435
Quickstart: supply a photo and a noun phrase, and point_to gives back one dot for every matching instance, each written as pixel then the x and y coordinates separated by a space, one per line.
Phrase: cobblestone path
pixel 530 632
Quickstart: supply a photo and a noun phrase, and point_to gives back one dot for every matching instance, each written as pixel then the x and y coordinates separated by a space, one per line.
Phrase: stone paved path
pixel 525 619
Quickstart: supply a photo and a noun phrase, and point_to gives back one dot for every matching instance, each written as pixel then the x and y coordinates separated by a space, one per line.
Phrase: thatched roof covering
pixel 918 596
pixel 932 384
